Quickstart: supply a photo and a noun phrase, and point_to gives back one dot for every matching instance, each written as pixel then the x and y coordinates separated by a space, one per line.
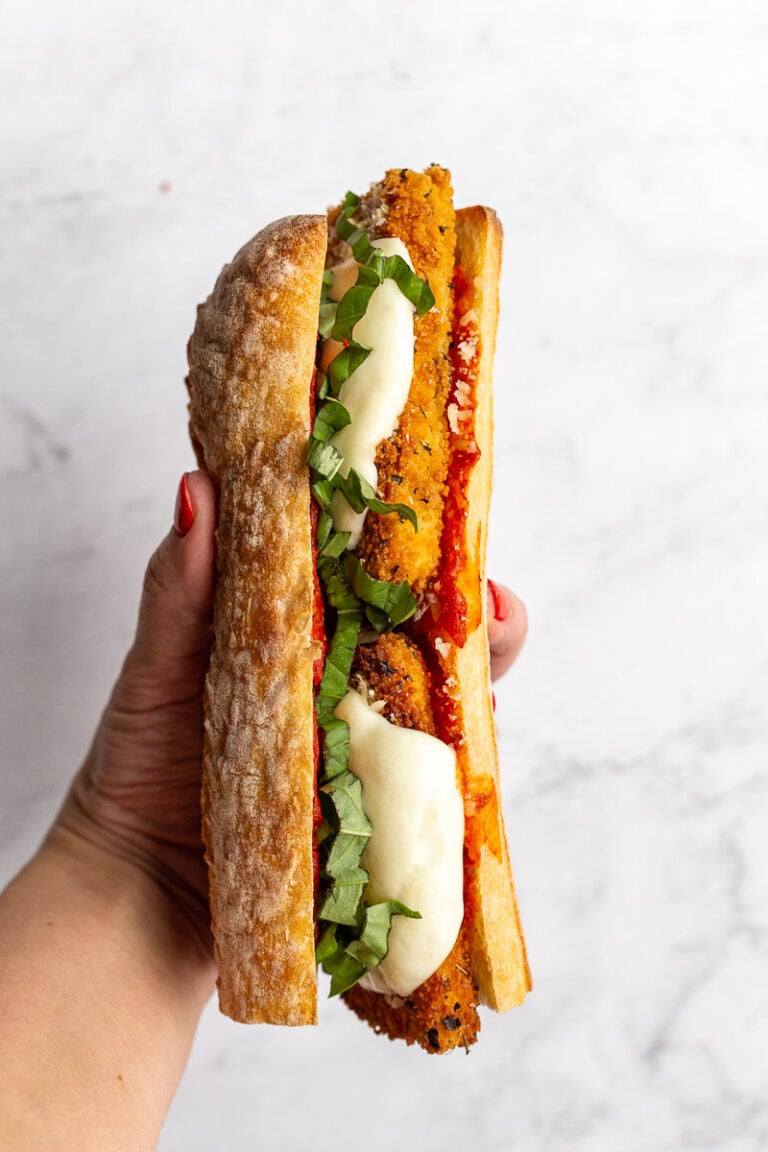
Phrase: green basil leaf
pixel 324 529
pixel 343 860
pixel 327 318
pixel 337 588
pixel 368 275
pixel 338 663
pixel 322 490
pixel 357 240
pixel 344 972
pixel 327 945
pixel 394 268
pixel 355 938
pixel 329 419
pixel 341 903
pixel 350 489
pixel 396 600
pixel 352 307
pixel 377 618
pixel 324 458
pixel 335 746
pixel 360 494
pixel 344 364
pixel 336 544
pixel 346 793
pixel 341 651
pixel 372 945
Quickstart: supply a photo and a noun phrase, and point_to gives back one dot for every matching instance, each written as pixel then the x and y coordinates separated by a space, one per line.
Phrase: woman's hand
pixel 106 932
pixel 507 627
pixel 137 795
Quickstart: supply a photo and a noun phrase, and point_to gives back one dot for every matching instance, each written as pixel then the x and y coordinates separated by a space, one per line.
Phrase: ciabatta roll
pixel 340 395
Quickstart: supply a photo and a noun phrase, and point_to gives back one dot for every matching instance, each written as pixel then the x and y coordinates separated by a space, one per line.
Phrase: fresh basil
pixel 336 545
pixel 336 584
pixel 343 969
pixel 352 307
pixel 328 309
pixel 384 267
pixel 360 494
pixel 344 364
pixel 336 747
pixel 355 936
pixel 322 385
pixel 324 458
pixel 338 664
pixel 330 418
pixel 371 946
pixel 396 601
pixel 346 957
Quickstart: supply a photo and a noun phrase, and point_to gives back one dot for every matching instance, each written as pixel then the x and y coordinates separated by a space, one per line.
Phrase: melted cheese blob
pixel 376 392
pixel 415 853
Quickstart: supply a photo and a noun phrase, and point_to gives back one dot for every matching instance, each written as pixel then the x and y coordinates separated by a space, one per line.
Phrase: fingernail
pixel 493 700
pixel 501 602
pixel 183 514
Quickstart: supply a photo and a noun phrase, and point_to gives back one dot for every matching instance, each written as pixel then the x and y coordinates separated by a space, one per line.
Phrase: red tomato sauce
pixel 453 623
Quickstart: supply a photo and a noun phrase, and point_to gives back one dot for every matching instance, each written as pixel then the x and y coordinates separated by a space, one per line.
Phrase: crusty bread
pixel 251 359
pixel 499 961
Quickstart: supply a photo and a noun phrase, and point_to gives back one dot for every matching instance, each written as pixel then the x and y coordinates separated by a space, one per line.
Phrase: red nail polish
pixel 493 700
pixel 501 604
pixel 183 515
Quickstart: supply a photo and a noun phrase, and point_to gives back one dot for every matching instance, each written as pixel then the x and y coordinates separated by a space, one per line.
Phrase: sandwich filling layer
pixel 375 393
pixel 415 851
pixel 395 821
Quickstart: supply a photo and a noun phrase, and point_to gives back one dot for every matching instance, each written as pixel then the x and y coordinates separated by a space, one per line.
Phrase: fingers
pixel 507 627
pixel 169 652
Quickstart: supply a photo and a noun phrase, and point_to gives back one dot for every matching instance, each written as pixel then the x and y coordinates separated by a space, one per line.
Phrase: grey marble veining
pixel 625 147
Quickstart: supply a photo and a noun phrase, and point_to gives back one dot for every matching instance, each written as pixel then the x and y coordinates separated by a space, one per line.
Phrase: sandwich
pixel 340 382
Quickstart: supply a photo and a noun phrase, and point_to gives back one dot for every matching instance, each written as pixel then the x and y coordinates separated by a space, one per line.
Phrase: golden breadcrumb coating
pixel 394 671
pixel 413 463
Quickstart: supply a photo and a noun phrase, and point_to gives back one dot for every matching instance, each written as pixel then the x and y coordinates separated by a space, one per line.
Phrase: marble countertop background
pixel 625 146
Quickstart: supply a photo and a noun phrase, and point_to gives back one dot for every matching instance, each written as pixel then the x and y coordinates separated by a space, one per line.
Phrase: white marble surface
pixel 625 145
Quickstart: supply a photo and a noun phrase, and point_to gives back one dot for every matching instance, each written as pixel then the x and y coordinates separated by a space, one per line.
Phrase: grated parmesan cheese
pixel 467 348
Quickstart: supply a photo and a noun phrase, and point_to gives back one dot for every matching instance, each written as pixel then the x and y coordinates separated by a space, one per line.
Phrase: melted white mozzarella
pixel 415 851
pixel 376 392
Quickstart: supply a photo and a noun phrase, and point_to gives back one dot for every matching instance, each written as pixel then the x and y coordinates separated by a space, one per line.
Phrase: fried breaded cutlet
pixel 412 465
pixel 441 1013
pixel 394 672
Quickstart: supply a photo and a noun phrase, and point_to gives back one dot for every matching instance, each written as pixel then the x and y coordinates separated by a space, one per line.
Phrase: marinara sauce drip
pixel 448 621
pixel 453 623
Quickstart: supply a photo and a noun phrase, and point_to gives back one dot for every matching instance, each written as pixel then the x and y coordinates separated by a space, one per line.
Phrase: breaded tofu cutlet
pixel 412 464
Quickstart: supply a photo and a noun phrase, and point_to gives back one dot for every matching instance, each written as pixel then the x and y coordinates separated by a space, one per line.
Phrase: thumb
pixel 170 651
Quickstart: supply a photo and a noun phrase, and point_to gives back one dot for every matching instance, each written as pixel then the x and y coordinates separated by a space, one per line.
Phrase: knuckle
pixel 155 579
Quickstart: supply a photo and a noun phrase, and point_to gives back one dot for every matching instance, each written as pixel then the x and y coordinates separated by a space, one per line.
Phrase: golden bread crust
pixel 250 367
pixel 499 961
